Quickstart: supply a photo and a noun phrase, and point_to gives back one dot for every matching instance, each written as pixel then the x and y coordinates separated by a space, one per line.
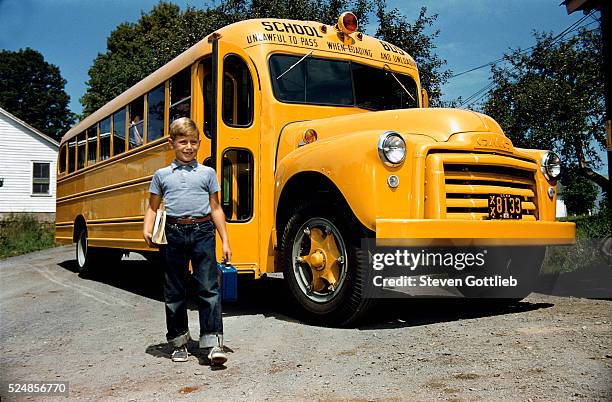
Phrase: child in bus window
pixel 136 131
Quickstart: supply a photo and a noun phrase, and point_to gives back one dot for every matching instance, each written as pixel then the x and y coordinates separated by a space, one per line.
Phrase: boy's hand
pixel 227 252
pixel 149 219
pixel 148 238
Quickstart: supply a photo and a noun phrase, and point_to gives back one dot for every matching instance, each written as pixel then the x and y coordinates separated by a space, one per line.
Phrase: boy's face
pixel 185 147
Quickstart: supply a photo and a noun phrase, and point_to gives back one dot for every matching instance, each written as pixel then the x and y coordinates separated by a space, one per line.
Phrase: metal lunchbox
pixel 228 281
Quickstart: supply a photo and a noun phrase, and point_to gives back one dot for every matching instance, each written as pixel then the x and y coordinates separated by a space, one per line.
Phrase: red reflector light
pixel 347 23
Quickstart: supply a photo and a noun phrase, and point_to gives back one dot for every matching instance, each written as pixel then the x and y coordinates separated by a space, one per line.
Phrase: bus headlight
pixel 551 165
pixel 391 148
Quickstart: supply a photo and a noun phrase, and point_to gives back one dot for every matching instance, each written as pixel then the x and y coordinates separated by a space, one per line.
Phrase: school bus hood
pixel 437 123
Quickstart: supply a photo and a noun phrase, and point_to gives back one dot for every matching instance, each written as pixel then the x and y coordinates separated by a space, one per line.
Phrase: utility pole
pixel 604 7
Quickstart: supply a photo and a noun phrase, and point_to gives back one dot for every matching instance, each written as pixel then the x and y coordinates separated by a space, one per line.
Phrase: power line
pixel 478 95
pixel 482 91
pixel 560 35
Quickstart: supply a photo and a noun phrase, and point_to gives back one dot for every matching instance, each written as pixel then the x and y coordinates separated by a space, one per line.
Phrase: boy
pixel 190 194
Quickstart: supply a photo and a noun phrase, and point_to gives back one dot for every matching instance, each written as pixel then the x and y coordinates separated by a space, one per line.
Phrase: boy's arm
pixel 149 218
pixel 218 217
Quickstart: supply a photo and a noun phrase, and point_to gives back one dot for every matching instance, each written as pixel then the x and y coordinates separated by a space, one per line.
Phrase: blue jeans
pixel 195 242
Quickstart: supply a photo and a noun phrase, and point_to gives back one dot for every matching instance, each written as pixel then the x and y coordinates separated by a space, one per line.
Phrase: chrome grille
pixel 467 188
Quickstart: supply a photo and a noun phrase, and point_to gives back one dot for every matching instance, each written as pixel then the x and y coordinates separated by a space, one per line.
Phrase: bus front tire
pixel 522 263
pixel 322 263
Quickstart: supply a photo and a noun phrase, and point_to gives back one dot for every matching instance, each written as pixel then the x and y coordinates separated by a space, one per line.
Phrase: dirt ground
pixel 105 336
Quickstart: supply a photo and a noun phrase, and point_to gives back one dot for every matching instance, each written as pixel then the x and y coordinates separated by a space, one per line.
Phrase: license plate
pixel 505 206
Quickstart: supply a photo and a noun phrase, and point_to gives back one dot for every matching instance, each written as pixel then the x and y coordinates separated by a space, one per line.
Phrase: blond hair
pixel 183 127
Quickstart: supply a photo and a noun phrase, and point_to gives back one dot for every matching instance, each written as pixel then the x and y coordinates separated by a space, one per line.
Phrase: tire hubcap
pixel 319 253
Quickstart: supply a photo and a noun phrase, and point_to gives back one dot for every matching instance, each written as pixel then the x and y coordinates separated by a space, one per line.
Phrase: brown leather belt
pixel 187 220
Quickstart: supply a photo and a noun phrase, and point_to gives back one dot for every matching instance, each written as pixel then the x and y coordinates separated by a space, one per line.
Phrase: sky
pixel 71 33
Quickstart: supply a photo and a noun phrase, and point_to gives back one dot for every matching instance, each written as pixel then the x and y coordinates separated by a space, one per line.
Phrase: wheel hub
pixel 324 260
pixel 317 259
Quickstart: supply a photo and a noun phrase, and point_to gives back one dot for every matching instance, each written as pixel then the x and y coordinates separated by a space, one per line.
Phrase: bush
pixel 20 234
pixel 586 253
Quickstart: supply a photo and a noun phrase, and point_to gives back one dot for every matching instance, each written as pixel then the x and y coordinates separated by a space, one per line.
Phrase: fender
pixel 350 162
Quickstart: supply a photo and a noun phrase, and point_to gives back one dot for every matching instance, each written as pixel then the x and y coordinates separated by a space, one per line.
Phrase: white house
pixel 561 209
pixel 27 169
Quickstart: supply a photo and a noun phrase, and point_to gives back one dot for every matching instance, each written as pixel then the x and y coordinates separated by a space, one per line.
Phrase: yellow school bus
pixel 321 136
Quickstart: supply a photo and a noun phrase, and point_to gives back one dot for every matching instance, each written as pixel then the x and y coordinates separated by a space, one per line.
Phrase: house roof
pixel 30 128
pixel 582 5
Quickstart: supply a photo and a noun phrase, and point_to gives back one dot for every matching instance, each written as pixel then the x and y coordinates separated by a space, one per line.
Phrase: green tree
pixel 393 27
pixel 135 50
pixel 578 193
pixel 33 90
pixel 553 98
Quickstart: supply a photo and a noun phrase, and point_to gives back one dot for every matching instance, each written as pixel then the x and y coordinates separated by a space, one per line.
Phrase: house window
pixel 40 178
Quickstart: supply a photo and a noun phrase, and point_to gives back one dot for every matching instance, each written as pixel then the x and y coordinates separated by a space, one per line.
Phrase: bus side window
pixel 81 150
pixel 237 92
pixel 207 93
pixel 180 95
pixel 71 155
pixel 136 123
pixel 237 185
pixel 208 106
pixel 62 159
pixel 155 114
pixel 105 139
pixel 92 145
pixel 119 119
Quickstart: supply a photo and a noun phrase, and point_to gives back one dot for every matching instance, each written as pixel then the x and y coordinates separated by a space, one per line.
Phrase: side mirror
pixel 424 98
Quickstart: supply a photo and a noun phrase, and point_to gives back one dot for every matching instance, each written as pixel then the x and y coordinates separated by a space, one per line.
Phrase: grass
pixel 20 234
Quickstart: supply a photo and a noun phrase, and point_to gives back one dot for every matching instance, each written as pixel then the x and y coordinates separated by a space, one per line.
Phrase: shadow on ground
pixel 271 298
pixel 164 351
pixel 591 283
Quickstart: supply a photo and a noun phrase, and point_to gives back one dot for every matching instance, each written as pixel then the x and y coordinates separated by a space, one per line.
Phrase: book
pixel 159 232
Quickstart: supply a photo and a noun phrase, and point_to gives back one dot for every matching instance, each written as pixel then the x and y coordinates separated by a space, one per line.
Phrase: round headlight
pixel 391 148
pixel 551 165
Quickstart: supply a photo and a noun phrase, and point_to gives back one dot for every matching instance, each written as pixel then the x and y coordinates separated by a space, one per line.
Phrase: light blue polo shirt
pixel 185 188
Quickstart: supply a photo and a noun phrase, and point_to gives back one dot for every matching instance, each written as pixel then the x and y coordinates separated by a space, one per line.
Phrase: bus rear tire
pixel 83 253
pixel 328 294
pixel 88 259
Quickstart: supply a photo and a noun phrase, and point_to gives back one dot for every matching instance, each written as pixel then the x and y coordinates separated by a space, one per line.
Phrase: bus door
pixel 235 146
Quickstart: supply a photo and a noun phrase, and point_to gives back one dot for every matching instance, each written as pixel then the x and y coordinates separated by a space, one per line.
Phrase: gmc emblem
pixel 494 141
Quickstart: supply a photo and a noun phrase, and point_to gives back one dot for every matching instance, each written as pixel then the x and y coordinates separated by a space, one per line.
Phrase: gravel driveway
pixel 105 336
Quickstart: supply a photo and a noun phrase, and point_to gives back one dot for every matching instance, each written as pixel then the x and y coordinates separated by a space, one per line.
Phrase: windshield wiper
pixel 387 68
pixel 295 64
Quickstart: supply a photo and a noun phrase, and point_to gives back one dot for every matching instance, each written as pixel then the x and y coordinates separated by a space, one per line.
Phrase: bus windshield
pixel 340 83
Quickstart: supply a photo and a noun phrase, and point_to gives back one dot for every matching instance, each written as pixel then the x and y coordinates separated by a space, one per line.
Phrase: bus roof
pixel 306 36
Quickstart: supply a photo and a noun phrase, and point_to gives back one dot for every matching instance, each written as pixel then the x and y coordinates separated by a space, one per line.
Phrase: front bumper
pixel 425 232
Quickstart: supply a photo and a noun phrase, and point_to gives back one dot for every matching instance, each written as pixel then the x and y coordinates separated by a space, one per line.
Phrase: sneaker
pixel 180 354
pixel 217 356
